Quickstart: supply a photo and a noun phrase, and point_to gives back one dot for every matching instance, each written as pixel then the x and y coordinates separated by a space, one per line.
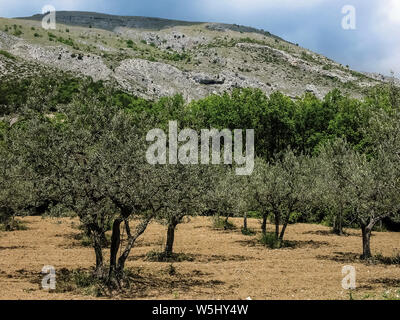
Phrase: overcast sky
pixel 315 24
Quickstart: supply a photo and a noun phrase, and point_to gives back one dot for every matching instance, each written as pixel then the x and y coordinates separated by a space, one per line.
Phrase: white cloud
pixel 392 9
pixel 386 27
pixel 247 6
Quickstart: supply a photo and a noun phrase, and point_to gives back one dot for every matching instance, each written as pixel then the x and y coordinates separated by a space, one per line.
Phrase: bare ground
pixel 226 264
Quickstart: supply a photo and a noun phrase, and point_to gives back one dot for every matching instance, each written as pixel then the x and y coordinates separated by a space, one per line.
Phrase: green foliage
pixel 7 54
pixel 248 232
pixel 68 42
pixel 379 258
pixel 254 214
pixel 222 224
pixel 177 56
pixel 79 280
pixel 9 223
pixel 307 57
pixel 17 33
pixel 130 44
pixel 269 240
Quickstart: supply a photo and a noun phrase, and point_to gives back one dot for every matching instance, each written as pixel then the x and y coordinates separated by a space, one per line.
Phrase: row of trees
pixel 336 158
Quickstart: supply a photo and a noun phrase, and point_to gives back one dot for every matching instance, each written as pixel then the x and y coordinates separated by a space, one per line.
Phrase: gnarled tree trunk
pixel 338 224
pixel 277 221
pixel 97 246
pixel 264 223
pixel 170 238
pixel 113 277
pixel 366 238
pixel 283 231
pixel 139 230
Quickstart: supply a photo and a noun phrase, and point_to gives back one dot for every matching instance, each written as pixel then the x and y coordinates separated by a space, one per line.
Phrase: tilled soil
pixel 222 264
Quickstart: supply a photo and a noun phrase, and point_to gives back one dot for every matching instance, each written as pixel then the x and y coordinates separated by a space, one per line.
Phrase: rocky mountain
pixel 154 57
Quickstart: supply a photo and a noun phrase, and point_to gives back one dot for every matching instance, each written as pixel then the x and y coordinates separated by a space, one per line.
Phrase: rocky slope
pixel 154 57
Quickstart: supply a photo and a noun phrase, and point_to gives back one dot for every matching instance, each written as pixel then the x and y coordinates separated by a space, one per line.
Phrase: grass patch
pixel 391 295
pixel 248 232
pixel 269 240
pixel 86 241
pixel 7 55
pixel 156 256
pixel 379 258
pixel 308 57
pixel 79 280
pixel 14 225
pixel 177 57
pixel 223 224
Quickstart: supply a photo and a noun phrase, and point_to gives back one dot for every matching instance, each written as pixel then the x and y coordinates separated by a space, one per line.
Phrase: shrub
pixel 11 224
pixel 269 240
pixel 222 223
pixel 379 258
pixel 7 54
pixel 17 33
pixel 79 280
pixel 130 44
pixel 86 241
pixel 248 232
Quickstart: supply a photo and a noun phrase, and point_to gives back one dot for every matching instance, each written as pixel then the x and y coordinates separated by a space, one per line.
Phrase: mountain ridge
pixel 155 57
pixel 93 18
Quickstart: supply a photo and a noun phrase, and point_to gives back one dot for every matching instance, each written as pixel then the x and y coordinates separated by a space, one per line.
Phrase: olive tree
pixel 331 192
pixel 370 186
pixel 184 191
pixel 91 159
pixel 229 196
pixel 281 188
pixel 17 186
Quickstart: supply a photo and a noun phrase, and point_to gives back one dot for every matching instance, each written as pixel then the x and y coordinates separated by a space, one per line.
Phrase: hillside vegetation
pixel 154 57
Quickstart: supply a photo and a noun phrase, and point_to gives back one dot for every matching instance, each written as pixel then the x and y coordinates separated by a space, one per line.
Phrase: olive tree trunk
pixel 170 239
pixel 277 220
pixel 139 230
pixel 97 246
pixel 115 244
pixel 245 221
pixel 283 231
pixel 264 223
pixel 366 238
pixel 338 224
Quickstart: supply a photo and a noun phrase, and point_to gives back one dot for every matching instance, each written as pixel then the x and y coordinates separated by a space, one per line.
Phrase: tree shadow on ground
pixel 142 283
pixel 341 257
pixel 149 284
pixel 349 257
pixel 329 233
pixel 299 244
pixel 386 282
pixel 202 258
pixel 288 244
pixel 12 248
